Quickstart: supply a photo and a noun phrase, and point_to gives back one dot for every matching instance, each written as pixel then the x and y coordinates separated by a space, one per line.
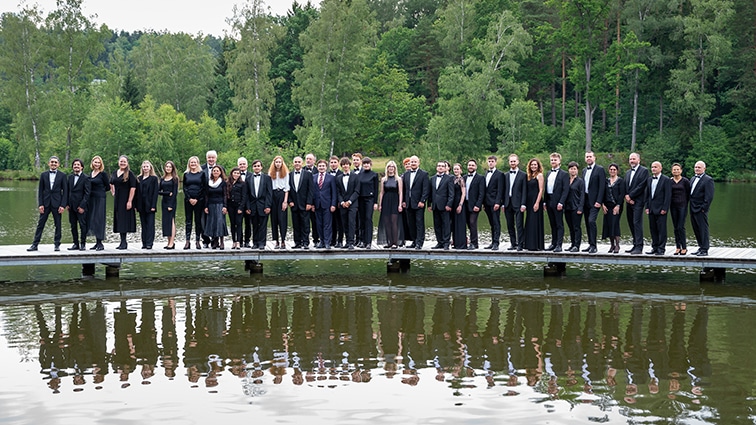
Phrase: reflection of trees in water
pixel 569 351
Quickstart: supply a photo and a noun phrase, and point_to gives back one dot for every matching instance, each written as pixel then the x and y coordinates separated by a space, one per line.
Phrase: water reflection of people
pixel 146 350
pixel 124 356
pixel 169 339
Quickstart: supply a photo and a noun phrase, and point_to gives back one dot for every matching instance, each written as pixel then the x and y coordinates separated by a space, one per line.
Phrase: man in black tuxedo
pixel 494 181
pixel 243 174
pixel 515 196
pixel 259 203
pixel 416 192
pixel 440 203
pixel 311 166
pixel 475 191
pixel 594 177
pixel 300 203
pixel 658 199
pixel 701 196
pixel 348 195
pixel 79 188
pixel 52 196
pixel 636 180
pixel 337 230
pixel 557 189
pixel 324 200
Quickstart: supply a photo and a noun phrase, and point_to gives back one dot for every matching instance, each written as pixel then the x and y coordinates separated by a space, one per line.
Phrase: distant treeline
pixel 447 79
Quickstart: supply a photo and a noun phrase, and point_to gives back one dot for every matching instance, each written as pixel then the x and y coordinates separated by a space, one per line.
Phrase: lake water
pixel 343 342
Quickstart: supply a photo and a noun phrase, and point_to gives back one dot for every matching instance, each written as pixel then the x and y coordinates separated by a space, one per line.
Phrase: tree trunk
pixel 635 114
pixel 661 115
pixel 564 90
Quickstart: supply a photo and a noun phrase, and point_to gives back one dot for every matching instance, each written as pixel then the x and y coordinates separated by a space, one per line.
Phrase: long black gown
pixel 459 221
pixel 613 195
pixel 534 219
pixel 97 201
pixel 124 221
pixel 390 226
pixel 168 190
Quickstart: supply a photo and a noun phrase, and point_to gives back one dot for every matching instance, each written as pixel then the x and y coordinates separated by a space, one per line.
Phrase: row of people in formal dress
pixel 334 201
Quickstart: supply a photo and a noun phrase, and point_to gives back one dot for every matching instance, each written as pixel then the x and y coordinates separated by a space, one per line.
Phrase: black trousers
pixel 591 214
pixel 337 230
pixel 442 226
pixel 678 224
pixel 300 224
pixel 78 221
pixel 259 230
pixel 365 214
pixel 236 220
pixel 515 226
pixel 147 222
pixel 416 224
pixel 279 218
pixel 349 222
pixel 635 222
pixel 700 222
pixel 41 225
pixel 314 226
pixel 574 224
pixel 556 221
pixel 494 220
pixel 196 212
pixel 472 225
pixel 658 227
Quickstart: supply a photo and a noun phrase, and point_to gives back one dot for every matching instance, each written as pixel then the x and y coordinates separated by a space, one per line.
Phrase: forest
pixel 443 79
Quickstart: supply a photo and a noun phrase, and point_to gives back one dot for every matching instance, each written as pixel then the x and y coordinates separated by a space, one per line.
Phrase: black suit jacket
pixel 597 184
pixel 561 189
pixel 702 195
pixel 662 197
pixel 443 196
pixel 576 195
pixel 419 191
pixel 147 194
pixel 303 196
pixel 54 197
pixel 519 190
pixel 476 192
pixel 78 194
pixel 264 199
pixel 494 189
pixel 637 188
pixel 352 191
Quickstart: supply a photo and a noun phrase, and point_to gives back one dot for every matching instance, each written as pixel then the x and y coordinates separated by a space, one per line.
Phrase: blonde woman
pixel 390 228
pixel 147 203
pixel 279 173
pixel 100 183
pixel 123 186
pixel 195 184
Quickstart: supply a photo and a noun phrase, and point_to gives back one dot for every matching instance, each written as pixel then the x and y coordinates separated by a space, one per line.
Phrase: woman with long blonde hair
pixel 147 203
pixel 195 184
pixel 100 185
pixel 279 173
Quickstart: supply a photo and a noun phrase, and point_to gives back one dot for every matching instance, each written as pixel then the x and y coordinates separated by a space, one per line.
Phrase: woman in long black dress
pixel 100 182
pixel 215 208
pixel 459 215
pixel 390 226
pixel 147 195
pixel 195 184
pixel 235 200
pixel 168 190
pixel 534 218
pixel 679 208
pixel 614 196
pixel 123 186
pixel 573 208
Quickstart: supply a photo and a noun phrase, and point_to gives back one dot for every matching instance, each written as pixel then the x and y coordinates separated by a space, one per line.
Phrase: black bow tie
pixel 471 175
pixel 513 172
pixel 296 172
pixel 654 177
pixel 439 175
pixel 697 176
pixel 346 174
pixel 554 170
pixel 257 175
pixel 52 173
pixel 491 171
pixel 589 167
pixel 412 171
pixel 632 169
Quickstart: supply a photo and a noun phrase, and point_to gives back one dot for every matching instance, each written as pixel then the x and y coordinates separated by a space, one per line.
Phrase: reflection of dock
pixel 712 267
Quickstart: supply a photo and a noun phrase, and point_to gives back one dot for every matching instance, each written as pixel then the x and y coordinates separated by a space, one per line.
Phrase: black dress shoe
pixel 653 251
pixel 630 250
pixel 412 245
pixel 636 251
pixel 296 245
pixel 419 247
pixel 550 247
pixel 326 247
pixel 489 246
pixel 437 246
pixel 592 250
pixel 573 249
pixel 74 247
pixel 122 246
pixel 350 247
pixel 320 245
pixel 33 247
pixel 702 253
pixel 57 247
pixel 586 249
pixel 511 248
pixel 83 247
pixel 495 247
pixel 446 247
pixel 659 253
pixel 557 249
pixel 305 246
pixel 471 247
pixel 519 248
pixel 99 247
pixel 338 245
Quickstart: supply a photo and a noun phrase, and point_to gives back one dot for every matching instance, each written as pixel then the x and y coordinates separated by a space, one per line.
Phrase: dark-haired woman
pixel 168 190
pixel 614 196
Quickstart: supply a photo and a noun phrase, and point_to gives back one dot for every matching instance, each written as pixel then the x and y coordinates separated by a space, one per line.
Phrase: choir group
pixel 332 202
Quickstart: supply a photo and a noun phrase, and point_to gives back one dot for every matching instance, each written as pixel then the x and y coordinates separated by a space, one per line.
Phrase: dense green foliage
pixel 440 78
